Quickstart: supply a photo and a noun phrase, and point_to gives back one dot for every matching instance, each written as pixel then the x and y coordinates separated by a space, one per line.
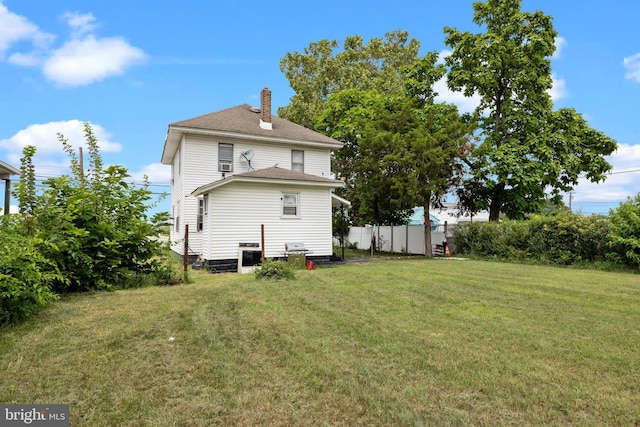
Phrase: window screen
pixel 297 160
pixel 290 204
pixel 225 157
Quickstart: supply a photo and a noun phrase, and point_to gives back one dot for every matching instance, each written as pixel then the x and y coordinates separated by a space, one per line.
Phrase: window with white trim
pixel 290 204
pixel 225 157
pixel 200 219
pixel 176 217
pixel 297 160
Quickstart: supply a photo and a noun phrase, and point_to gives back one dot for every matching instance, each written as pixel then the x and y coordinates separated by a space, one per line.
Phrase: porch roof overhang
pixel 274 175
pixel 7 170
pixel 337 201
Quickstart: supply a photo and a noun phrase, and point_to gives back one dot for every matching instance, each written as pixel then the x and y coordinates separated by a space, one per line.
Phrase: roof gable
pixel 246 120
pixel 243 121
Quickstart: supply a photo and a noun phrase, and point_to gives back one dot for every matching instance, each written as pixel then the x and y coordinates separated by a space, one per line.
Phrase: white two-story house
pixel 243 178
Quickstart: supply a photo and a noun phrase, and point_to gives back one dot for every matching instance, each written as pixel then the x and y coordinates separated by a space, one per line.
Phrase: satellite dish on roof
pixel 246 156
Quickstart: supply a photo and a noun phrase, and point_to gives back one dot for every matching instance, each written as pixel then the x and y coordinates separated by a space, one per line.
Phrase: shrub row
pixel 36 269
pixel 563 238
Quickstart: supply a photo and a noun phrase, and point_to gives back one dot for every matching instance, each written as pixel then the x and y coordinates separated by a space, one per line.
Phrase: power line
pixel 621 172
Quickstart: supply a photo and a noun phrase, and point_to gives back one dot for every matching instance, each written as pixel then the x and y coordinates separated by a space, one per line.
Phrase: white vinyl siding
pixel 176 218
pixel 177 196
pixel 234 218
pixel 316 161
pixel 199 158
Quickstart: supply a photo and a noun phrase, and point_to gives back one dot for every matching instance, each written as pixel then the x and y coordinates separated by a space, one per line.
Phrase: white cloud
pixel 12 208
pixel 632 64
pixel 80 23
pixel 623 182
pixel 155 172
pixel 465 104
pixel 625 157
pixel 15 28
pixel 31 59
pixel 50 157
pixel 443 56
pixel 81 62
pixel 560 43
pixel 559 88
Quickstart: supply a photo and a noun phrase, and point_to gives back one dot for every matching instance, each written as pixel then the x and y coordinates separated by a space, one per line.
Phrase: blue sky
pixel 131 68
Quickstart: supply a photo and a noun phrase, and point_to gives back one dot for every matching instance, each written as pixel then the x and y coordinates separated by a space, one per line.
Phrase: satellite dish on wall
pixel 246 156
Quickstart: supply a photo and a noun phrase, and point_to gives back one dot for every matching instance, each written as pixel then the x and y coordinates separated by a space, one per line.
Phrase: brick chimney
pixel 265 109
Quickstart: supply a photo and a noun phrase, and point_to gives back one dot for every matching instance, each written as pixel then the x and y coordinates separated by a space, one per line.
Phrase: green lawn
pixel 391 342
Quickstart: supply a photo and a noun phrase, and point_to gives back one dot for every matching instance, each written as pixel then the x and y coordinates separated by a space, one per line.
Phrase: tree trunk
pixel 496 203
pixel 494 210
pixel 427 227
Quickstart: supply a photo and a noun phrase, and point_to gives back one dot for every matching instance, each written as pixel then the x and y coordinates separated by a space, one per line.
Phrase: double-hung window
pixel 297 160
pixel 290 204
pixel 202 211
pixel 225 157
pixel 200 219
pixel 176 217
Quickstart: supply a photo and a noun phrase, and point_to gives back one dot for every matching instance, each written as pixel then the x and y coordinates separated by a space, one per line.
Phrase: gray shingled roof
pixel 287 174
pixel 270 175
pixel 245 119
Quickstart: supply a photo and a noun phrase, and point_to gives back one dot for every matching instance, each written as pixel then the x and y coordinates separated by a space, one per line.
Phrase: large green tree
pixel 351 116
pixel 525 149
pixel 424 145
pixel 324 68
pixel 404 149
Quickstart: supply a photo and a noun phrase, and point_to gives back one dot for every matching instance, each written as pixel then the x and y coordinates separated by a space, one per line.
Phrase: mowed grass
pixel 395 342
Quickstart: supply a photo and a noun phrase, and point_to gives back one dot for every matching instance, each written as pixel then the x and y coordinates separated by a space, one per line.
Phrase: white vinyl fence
pixel 397 239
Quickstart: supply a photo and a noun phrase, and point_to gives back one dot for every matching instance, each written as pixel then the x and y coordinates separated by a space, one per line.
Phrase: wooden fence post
pixel 186 247
pixel 262 244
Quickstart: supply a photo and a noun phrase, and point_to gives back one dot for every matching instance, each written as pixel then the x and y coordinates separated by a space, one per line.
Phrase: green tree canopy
pixel 405 153
pixel 323 69
pixel 525 148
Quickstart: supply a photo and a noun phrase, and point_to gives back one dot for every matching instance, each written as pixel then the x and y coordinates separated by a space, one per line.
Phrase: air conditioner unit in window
pixel 225 167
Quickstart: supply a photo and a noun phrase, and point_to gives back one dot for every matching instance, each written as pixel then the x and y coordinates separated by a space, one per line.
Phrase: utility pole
pixel 81 164
pixel 570 200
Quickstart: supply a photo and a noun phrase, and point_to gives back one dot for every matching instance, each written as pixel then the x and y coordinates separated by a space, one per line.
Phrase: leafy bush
pixel 273 269
pixel 25 275
pixel 95 224
pixel 625 232
pixel 561 238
